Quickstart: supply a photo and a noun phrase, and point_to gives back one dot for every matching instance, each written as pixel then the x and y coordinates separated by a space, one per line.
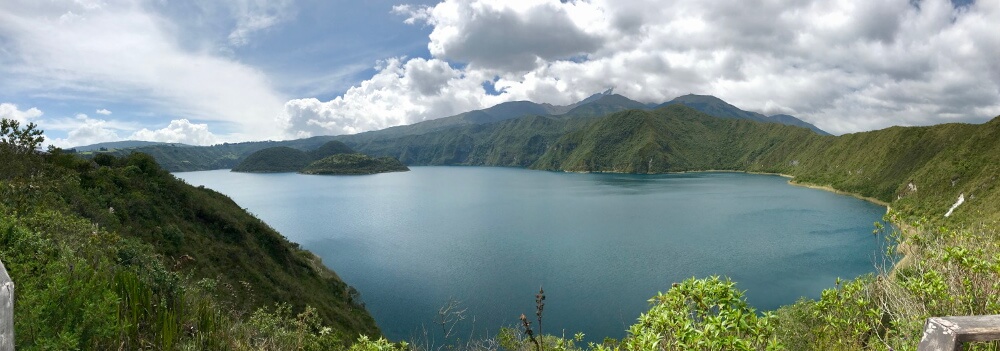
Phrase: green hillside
pixel 116 253
pixel 941 162
pixel 514 142
pixel 221 156
pixel 449 140
pixel 354 164
pixel 672 139
pixel 714 106
pixel 274 160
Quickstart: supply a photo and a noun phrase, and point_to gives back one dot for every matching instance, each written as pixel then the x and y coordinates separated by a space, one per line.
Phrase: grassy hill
pixel 116 253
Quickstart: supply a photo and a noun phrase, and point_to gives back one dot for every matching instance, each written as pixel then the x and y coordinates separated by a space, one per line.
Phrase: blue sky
pixel 206 72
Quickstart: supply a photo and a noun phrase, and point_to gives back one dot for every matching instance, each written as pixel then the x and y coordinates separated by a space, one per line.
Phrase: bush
pixel 702 314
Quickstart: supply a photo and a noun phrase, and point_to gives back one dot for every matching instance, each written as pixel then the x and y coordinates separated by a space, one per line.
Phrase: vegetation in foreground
pixel 116 253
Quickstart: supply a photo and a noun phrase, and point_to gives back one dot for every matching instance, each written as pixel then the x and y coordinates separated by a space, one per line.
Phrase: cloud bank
pixel 844 66
pixel 82 130
pixel 122 51
pixel 179 131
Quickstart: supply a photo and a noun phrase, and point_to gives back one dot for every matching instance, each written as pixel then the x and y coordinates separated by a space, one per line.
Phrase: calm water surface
pixel 600 244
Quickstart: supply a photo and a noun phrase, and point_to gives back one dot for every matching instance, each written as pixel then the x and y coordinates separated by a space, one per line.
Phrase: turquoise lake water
pixel 600 244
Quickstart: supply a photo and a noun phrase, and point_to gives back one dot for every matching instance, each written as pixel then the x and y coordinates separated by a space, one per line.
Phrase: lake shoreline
pixel 591 212
pixel 905 229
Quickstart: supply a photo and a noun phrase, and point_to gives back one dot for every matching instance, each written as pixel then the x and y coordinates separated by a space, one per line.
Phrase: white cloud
pixel 118 50
pixel 10 111
pixel 103 111
pixel 400 93
pixel 255 16
pixel 179 131
pixel 510 35
pixel 845 66
pixel 85 131
pixel 81 130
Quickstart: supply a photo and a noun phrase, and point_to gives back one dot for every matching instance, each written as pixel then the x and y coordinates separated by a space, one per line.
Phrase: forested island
pixel 333 158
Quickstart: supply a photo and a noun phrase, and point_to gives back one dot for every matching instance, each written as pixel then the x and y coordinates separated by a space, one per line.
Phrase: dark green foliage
pixel 17 144
pixel 19 140
pixel 514 142
pixel 106 252
pixel 702 314
pixel 354 164
pixel 332 158
pixel 331 148
pixel 274 160
pixel 671 139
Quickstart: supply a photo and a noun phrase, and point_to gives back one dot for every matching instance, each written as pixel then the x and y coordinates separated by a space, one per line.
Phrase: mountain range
pixel 388 141
pixel 595 105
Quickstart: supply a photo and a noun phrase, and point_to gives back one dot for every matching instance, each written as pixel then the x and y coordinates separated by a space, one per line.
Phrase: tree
pixel 14 139
pixel 18 148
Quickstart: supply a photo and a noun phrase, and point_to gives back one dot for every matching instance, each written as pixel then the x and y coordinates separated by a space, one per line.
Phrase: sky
pixel 206 72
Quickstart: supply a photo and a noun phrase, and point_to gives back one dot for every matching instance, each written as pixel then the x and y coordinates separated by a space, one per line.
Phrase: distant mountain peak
pixel 595 97
pixel 717 107
pixel 700 98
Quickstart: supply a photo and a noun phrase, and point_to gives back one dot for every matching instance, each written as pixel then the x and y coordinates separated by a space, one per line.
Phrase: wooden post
pixel 6 310
pixel 949 333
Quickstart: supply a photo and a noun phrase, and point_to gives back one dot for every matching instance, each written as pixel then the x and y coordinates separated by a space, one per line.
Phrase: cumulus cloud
pixel 103 111
pixel 510 35
pixel 179 131
pixel 84 131
pixel 845 66
pixel 115 50
pixel 10 111
pixel 401 92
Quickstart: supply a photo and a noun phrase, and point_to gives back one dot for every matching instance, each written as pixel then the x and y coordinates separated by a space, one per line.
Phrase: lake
pixel 600 244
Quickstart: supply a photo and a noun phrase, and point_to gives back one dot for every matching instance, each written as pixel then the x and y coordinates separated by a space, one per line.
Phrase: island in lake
pixel 333 158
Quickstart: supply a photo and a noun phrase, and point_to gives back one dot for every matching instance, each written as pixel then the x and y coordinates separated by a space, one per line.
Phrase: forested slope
pixel 116 253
